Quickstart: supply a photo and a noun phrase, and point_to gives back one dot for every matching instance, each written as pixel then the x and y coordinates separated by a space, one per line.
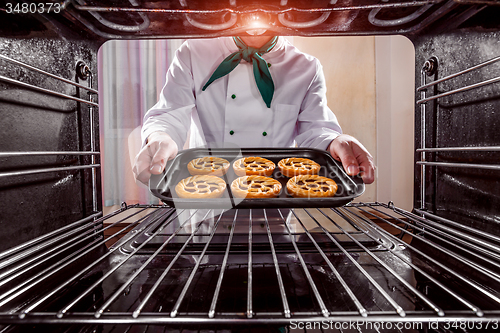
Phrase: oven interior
pixel 154 268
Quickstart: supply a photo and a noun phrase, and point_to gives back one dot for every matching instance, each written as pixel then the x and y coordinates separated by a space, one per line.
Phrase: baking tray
pixel 162 186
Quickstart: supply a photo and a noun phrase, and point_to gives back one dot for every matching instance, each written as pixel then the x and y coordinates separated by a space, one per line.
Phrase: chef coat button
pixel 268 65
pixel 231 132
pixel 233 96
pixel 264 133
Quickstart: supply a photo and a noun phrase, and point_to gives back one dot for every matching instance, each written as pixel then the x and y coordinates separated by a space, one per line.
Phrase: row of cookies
pixel 254 180
pixel 252 165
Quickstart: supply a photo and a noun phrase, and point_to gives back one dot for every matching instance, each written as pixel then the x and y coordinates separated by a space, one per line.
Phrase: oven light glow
pixel 256 24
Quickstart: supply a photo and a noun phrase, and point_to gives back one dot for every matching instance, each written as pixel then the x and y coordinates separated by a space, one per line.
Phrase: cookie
pixel 247 166
pixel 255 187
pixel 295 166
pixel 209 165
pixel 200 187
pixel 311 186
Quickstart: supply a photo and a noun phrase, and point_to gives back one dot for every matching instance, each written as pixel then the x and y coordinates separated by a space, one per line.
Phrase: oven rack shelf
pixel 366 262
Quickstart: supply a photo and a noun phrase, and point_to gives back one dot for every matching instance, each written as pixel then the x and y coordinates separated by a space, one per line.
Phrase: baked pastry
pixel 255 187
pixel 209 165
pixel 247 166
pixel 311 186
pixel 295 166
pixel 200 187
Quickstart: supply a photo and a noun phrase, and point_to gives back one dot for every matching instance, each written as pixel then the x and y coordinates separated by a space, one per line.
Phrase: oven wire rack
pixel 362 262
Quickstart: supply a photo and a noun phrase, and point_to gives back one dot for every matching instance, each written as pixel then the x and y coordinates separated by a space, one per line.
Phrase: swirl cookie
pixel 200 187
pixel 209 165
pixel 295 166
pixel 311 186
pixel 255 187
pixel 253 166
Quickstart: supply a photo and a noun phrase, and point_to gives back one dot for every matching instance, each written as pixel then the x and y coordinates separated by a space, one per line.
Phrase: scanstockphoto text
pixel 389 326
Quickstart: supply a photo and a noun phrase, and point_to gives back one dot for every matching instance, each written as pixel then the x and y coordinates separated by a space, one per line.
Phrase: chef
pixel 252 91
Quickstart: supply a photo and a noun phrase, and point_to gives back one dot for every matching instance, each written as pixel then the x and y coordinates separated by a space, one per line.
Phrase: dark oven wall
pixel 470 192
pixel 40 192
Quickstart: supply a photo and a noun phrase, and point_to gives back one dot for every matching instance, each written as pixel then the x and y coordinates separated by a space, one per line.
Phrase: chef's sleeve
pixel 317 125
pixel 172 113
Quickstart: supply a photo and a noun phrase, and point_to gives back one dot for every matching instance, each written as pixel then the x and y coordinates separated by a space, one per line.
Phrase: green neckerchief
pixel 260 69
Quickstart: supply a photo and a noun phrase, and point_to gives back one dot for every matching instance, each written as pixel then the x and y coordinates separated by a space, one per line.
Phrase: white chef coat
pixel 232 110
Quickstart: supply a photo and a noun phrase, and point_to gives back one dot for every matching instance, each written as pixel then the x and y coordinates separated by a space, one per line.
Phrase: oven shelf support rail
pixel 57 77
pixel 47 170
pixel 46 91
pixel 449 77
pixel 429 68
pixel 46 153
pixel 83 72
pixel 469 87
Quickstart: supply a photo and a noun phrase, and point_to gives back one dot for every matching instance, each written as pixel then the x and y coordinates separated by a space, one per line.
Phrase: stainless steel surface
pixel 120 27
pixel 448 77
pixel 462 89
pixel 39 240
pixel 46 153
pixel 46 91
pixel 461 165
pixel 425 85
pixel 364 262
pixel 451 254
pixel 46 170
pixel 264 10
pixel 430 68
pixel 458 149
pixel 225 17
pixel 57 77
pixel 195 264
pixel 459 226
pixel 423 110
pixel 92 142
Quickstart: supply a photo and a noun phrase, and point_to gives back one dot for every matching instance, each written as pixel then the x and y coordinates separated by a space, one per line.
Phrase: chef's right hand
pixel 154 156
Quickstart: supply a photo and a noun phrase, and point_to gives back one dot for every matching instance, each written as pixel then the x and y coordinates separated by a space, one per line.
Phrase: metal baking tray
pixel 162 186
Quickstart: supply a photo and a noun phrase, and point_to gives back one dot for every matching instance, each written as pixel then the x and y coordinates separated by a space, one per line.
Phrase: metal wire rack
pixel 363 262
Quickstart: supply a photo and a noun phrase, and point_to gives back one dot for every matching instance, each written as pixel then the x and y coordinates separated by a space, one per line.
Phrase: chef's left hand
pixel 354 157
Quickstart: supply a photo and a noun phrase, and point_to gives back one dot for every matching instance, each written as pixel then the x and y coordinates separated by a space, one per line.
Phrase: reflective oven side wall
pixel 33 121
pixel 466 119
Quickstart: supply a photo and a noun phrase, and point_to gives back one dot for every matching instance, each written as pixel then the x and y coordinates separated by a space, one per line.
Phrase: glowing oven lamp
pixel 256 23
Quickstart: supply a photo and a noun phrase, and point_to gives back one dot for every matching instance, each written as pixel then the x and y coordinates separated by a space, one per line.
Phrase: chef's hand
pixel 354 157
pixel 154 156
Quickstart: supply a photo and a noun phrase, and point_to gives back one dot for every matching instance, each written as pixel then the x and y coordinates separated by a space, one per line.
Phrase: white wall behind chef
pixel 395 76
pixel 370 84
pixel 349 66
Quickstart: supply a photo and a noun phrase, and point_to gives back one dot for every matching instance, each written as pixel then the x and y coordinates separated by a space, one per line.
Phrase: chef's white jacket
pixel 231 109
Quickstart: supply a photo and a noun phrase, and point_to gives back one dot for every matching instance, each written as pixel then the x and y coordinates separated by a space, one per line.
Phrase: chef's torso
pixel 232 110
